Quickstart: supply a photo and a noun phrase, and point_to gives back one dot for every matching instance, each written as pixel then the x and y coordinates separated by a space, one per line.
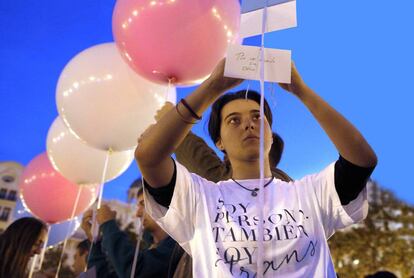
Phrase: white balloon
pixel 104 102
pixel 79 162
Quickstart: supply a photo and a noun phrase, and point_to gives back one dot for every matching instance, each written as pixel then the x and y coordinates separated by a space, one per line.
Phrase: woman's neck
pixel 243 170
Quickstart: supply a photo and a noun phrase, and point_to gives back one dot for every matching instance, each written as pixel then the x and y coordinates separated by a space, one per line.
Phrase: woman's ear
pixel 219 145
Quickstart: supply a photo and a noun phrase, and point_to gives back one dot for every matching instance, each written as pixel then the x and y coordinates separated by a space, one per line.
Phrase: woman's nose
pixel 249 124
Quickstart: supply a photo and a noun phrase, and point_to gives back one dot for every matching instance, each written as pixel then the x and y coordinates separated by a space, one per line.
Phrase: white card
pixel 244 62
pixel 279 17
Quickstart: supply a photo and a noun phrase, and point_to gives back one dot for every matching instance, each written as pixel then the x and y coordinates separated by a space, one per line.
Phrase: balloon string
pixel 103 178
pixel 260 245
pixel 140 231
pixel 273 95
pixel 95 226
pixel 75 206
pixel 247 90
pixel 171 81
pixel 42 255
pixel 139 238
pixel 33 265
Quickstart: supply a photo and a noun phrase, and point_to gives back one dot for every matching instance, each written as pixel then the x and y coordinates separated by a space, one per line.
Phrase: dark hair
pixel 16 244
pixel 84 246
pixel 382 274
pixel 214 123
pixel 276 151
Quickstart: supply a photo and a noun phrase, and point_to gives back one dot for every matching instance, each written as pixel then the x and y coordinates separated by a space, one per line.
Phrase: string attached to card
pixel 260 245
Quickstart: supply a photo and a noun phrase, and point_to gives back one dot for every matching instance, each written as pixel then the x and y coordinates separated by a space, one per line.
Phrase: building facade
pixel 10 173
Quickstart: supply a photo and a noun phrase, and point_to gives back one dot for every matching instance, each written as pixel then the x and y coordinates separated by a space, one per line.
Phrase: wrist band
pixel 194 114
pixel 182 117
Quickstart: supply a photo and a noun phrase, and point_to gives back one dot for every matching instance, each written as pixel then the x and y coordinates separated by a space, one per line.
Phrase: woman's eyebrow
pixel 231 114
pixel 238 113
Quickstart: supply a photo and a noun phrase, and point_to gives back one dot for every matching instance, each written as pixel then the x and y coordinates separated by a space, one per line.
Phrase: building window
pixel 12 195
pixel 5 214
pixel 8 179
pixel 3 192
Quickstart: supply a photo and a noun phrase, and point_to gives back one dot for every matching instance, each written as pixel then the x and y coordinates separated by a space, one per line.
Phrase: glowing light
pixel 128 57
pixel 215 13
pixel 135 13
pixel 160 99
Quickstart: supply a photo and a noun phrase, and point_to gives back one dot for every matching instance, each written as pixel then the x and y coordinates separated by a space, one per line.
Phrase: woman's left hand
pixel 297 86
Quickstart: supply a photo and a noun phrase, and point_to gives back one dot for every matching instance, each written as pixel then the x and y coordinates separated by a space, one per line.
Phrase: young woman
pixel 218 223
pixel 23 239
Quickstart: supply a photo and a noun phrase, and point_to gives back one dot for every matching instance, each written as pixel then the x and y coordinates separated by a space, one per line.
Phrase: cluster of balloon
pixel 180 40
pixel 108 94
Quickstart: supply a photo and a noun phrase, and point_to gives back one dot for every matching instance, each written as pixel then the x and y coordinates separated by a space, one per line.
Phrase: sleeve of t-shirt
pixel 350 179
pixel 334 215
pixel 178 218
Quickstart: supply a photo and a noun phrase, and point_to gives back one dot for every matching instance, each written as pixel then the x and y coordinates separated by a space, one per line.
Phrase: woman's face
pixel 240 130
pixel 37 247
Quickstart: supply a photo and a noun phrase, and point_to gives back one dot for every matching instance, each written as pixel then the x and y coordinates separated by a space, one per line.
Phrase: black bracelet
pixel 182 117
pixel 194 114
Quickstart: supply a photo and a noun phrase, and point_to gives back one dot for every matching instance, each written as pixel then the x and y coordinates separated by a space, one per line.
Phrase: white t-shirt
pixel 217 224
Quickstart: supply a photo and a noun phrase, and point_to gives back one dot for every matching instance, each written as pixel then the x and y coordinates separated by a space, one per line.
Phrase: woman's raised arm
pixel 159 141
pixel 347 139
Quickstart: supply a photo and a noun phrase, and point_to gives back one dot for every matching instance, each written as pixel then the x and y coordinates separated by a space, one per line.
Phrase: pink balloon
pixel 181 39
pixel 51 197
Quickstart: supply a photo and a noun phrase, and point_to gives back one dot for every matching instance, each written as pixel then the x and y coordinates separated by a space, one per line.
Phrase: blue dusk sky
pixel 358 55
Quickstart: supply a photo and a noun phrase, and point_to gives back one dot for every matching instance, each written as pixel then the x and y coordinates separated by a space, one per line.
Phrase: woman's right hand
pixel 218 82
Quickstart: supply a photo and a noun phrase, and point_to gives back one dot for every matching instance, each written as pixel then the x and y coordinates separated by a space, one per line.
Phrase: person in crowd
pixel 116 249
pixel 22 239
pixel 219 224
pixel 80 259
